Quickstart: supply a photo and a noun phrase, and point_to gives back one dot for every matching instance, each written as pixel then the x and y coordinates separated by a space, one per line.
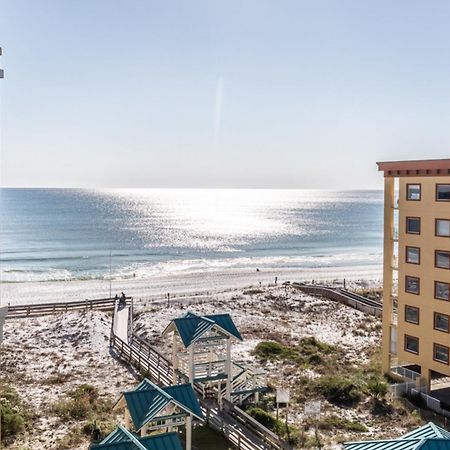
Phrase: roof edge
pixel 424 167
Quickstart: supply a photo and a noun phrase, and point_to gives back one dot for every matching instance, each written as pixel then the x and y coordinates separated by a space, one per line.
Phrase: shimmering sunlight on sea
pixel 59 234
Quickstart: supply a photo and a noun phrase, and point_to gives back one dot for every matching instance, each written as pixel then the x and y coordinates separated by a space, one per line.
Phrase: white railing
pixel 432 403
pixel 246 381
pixel 402 389
pixel 405 373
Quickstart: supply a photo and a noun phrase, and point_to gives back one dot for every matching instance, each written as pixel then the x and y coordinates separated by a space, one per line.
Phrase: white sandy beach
pixel 179 284
pixel 80 340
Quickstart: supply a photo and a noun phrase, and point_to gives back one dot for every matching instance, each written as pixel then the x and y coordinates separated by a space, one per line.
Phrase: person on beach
pixel 123 299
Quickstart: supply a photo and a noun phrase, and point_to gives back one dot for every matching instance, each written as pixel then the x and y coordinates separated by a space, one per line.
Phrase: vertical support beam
pixel 191 365
pixel 127 419
pixel 188 432
pixel 210 358
pixel 228 370
pixel 144 431
pixel 219 394
pixel 388 253
pixel 174 357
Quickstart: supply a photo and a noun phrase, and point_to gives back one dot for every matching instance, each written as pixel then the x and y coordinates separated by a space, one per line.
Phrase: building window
pixel 443 192
pixel 412 285
pixel 413 225
pixel 442 290
pixel 411 344
pixel 440 353
pixel 412 314
pixel 413 255
pixel 413 192
pixel 442 259
pixel 441 322
pixel 443 227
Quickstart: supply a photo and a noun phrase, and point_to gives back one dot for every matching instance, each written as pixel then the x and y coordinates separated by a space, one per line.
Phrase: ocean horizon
pixel 80 234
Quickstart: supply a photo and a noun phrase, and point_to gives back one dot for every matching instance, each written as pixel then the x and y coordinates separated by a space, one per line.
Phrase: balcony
pixel 394 263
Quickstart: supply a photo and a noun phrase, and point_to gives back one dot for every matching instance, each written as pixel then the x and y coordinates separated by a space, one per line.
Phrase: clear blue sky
pixel 248 93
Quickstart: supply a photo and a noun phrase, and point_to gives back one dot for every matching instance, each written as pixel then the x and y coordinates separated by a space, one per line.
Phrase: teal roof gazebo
pixel 427 437
pixel 151 408
pixel 122 439
pixel 201 354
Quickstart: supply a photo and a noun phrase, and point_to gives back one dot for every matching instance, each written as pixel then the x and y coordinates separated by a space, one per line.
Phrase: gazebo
pixel 201 354
pixel 153 409
pixel 122 439
pixel 427 437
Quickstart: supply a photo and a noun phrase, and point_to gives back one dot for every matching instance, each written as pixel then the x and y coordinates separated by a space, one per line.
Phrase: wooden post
pixel 228 370
pixel 219 394
pixel 191 365
pixel 127 419
pixel 188 425
pixel 174 357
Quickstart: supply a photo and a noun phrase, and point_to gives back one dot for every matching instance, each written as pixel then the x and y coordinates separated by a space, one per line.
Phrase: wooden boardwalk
pixel 364 304
pixel 45 309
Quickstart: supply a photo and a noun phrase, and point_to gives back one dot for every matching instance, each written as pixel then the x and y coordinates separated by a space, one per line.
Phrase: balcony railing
pixel 394 263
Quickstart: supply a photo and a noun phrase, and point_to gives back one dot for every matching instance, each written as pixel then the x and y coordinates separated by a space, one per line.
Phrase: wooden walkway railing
pixel 366 305
pixel 45 309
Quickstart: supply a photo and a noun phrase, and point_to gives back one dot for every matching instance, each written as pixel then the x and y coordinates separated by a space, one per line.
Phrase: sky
pixel 247 93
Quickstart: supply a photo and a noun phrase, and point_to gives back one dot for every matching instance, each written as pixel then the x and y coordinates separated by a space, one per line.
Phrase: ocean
pixel 67 234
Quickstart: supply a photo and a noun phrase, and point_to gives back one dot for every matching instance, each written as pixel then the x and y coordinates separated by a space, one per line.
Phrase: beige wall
pixel 428 210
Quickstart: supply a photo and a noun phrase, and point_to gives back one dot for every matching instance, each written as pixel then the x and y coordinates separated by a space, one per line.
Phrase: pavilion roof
pixel 192 327
pixel 122 439
pixel 147 400
pixel 427 437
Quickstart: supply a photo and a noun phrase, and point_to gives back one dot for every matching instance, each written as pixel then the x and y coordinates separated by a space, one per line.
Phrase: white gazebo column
pixel 228 370
pixel 174 357
pixel 188 432
pixel 191 365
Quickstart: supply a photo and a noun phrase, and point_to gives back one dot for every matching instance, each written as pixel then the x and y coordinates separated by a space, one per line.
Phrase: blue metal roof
pixel 427 437
pixel 144 405
pixel 392 444
pixel 147 400
pixel 185 395
pixel 436 444
pixel 122 439
pixel 192 326
pixel 428 430
pixel 167 441
pixel 225 322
